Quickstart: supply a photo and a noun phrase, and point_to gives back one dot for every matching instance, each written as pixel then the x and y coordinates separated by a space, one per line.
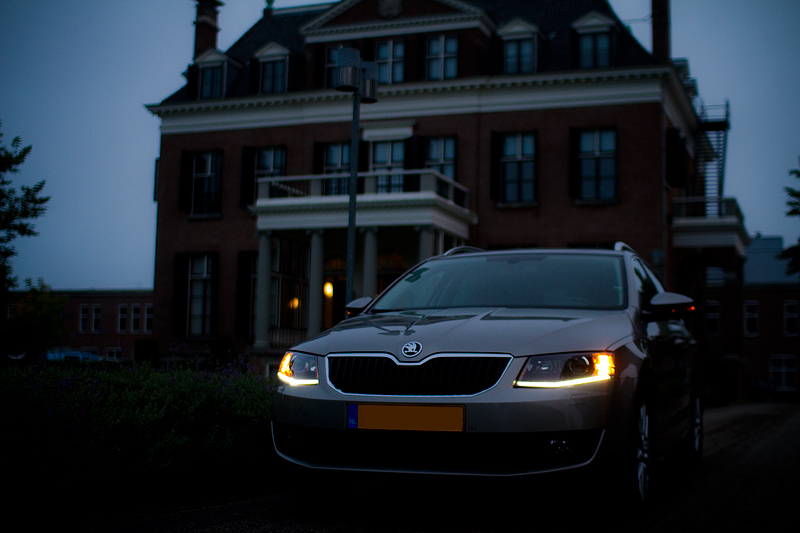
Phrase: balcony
pixel 709 222
pixel 385 198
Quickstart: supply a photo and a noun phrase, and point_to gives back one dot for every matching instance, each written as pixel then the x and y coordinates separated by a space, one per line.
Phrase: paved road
pixel 750 482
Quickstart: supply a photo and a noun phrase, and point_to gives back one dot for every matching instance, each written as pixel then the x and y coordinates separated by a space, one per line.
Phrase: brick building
pixel 497 124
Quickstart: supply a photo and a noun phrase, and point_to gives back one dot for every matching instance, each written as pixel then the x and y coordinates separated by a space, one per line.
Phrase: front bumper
pixel 506 430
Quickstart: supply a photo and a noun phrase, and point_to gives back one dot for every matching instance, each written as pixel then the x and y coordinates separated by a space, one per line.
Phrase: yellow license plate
pixel 405 417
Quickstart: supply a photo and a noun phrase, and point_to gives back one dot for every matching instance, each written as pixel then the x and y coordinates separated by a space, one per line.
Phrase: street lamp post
pixel 360 78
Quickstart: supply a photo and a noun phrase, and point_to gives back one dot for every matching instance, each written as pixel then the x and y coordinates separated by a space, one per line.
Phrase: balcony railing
pixel 708 208
pixel 378 182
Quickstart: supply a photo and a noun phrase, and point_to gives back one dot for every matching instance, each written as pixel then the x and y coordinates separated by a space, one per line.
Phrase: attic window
pixel 273 63
pixel 211 82
pixel 520 47
pixel 595 41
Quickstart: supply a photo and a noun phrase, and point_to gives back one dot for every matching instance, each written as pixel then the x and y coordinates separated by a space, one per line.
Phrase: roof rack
pixel 620 246
pixel 463 250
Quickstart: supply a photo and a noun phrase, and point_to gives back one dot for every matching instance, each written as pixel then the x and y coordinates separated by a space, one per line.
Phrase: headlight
pixel 566 370
pixel 298 369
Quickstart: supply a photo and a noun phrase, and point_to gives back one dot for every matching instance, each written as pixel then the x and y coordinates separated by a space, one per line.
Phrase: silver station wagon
pixel 500 363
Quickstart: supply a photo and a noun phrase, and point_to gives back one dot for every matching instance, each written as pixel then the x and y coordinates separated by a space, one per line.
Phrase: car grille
pixel 436 376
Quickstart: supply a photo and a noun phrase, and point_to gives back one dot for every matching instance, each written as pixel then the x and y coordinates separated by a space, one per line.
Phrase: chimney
pixel 205 26
pixel 661 31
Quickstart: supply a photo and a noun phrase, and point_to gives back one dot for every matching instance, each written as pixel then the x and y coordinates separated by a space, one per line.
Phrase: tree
pixel 793 203
pixel 36 322
pixel 17 210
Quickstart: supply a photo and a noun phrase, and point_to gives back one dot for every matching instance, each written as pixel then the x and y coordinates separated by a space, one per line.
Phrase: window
pixel 389 156
pixel 712 318
pixel 290 285
pixel 148 318
pixel 337 161
pixel 211 82
pixel 519 56
pixel 517 168
pixel 594 50
pixel 273 76
pixel 206 183
pixel 97 318
pixel 783 372
pixel 83 320
pixel 270 163
pixel 750 318
pixel 113 353
pixel 136 318
pixel 122 322
pixel 441 156
pixel 790 318
pixel 442 58
pixel 331 78
pixel 390 57
pixel 201 293
pixel 597 165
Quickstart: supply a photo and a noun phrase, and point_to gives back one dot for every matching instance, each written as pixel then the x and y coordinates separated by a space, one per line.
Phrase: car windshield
pixel 569 281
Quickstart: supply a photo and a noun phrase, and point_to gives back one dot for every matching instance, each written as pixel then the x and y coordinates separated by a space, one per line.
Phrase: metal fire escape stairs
pixel 710 160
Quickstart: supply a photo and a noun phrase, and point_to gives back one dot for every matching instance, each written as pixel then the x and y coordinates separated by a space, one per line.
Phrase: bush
pixel 109 425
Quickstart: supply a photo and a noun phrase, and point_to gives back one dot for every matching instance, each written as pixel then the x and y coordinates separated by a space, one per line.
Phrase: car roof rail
pixel 620 246
pixel 463 250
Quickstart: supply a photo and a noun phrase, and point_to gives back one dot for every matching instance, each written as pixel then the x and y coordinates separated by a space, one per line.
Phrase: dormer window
pixel 442 57
pixel 211 82
pixel 594 50
pixel 212 71
pixel 273 67
pixel 520 47
pixel 595 43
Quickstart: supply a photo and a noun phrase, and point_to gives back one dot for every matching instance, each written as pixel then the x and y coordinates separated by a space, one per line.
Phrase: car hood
pixel 519 332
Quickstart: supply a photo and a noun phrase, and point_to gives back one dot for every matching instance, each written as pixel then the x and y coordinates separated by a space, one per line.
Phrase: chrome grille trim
pixel 437 375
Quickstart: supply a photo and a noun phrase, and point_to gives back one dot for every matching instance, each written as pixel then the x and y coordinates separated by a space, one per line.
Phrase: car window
pixel 647 284
pixel 577 281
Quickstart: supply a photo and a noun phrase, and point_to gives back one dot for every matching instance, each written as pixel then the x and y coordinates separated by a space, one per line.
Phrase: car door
pixel 668 344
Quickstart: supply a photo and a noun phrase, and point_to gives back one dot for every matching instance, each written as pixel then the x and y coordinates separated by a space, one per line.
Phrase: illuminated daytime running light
pixel 566 371
pixel 298 369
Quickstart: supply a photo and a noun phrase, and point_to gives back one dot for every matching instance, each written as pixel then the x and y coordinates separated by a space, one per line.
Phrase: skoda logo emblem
pixel 412 348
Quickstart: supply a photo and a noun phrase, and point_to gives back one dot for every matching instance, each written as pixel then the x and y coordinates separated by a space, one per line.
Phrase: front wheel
pixel 642 453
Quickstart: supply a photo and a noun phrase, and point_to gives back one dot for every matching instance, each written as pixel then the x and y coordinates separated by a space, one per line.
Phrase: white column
pixel 426 238
pixel 263 296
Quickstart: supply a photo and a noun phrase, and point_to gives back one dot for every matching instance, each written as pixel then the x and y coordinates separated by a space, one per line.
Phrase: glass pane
pixel 603 50
pixel 380 153
pixel 382 51
pixel 399 50
pixel 383 73
pixel 526 56
pixel 527 171
pixel 607 167
pixel 451 45
pixel 606 189
pixel 510 148
pixel 397 72
pixel 449 149
pixel 434 150
pixel 434 47
pixel 511 57
pixel 398 151
pixel 450 67
pixel 587 142
pixel 586 51
pixel 527 145
pixel 434 69
pixel 608 141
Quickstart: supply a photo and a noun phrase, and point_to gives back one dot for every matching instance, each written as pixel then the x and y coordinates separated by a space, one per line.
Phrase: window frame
pixel 594 59
pixel 751 319
pixel 391 62
pixel 393 181
pixel 598 156
pixel 783 371
pixel 791 318
pixel 520 63
pixel 205 281
pixel 213 87
pixel 519 160
pixel 336 186
pixel 122 318
pixel 443 58
pixel 206 200
pixel 279 83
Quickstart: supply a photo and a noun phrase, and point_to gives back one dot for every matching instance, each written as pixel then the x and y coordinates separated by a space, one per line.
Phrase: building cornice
pixel 463 96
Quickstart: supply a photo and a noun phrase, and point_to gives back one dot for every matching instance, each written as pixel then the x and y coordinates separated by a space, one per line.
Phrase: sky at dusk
pixel 75 77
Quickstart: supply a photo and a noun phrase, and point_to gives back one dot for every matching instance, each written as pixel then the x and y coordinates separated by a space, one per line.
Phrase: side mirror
pixel 357 306
pixel 668 306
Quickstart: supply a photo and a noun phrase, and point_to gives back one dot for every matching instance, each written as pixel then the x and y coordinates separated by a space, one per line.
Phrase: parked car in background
pixel 73 355
pixel 500 363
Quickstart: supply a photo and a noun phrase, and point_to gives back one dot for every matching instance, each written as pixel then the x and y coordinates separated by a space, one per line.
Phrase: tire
pixel 642 454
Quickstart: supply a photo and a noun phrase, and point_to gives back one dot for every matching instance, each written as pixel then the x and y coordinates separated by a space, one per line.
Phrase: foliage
pixel 36 322
pixel 106 423
pixel 793 203
pixel 17 210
